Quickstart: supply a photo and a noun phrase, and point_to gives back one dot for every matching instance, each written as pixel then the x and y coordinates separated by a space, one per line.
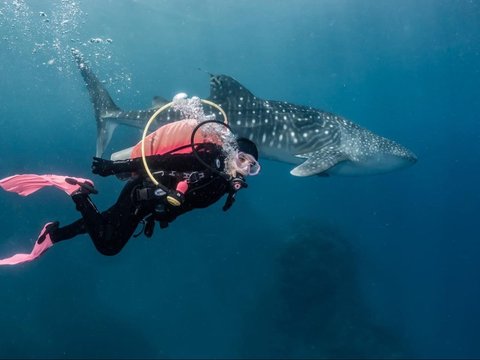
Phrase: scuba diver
pixel 184 165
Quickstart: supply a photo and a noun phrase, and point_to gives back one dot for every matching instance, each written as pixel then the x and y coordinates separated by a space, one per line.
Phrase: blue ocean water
pixel 377 266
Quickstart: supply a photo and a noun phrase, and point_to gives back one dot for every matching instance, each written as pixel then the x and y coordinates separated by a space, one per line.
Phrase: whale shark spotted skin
pixel 318 142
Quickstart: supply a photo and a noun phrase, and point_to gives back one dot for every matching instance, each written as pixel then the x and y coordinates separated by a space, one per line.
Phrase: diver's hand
pixel 102 167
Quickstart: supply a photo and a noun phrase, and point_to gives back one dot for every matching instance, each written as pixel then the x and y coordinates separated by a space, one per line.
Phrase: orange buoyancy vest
pixel 172 136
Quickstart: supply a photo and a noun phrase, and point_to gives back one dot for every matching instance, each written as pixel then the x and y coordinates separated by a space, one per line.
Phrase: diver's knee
pixel 107 251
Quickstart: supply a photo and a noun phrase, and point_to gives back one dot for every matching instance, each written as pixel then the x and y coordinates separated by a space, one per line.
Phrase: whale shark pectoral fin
pixel 317 162
pixel 105 130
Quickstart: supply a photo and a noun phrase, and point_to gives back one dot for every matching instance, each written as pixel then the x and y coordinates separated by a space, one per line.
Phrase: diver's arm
pixel 104 167
pixel 178 162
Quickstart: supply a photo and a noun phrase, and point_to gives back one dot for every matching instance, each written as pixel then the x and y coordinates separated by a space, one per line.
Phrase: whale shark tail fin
pixel 105 108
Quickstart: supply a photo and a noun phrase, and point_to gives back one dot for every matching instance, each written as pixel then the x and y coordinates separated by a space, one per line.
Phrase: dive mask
pixel 246 164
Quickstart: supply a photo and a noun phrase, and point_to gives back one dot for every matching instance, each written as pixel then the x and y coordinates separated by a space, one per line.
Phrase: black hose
pixel 195 151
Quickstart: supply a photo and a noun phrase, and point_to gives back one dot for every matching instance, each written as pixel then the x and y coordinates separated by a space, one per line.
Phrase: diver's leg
pixel 111 229
pixel 97 226
pixel 93 219
pixel 119 227
pixel 67 232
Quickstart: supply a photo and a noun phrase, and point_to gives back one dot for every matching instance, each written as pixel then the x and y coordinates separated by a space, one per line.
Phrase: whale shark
pixel 316 141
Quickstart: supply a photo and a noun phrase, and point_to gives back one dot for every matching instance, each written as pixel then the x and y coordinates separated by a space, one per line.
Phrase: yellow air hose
pixel 171 200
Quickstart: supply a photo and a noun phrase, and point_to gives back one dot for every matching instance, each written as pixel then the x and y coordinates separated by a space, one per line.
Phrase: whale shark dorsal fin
pixel 224 86
pixel 158 102
pixel 318 162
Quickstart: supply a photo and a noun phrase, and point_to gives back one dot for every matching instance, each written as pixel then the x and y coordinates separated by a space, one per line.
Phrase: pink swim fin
pixel 27 184
pixel 38 249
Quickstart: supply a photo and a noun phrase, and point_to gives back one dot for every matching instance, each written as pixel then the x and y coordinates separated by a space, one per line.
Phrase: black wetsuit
pixel 110 230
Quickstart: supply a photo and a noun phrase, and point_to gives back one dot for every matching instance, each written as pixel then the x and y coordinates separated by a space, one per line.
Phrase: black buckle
pixel 194 177
pixel 148 193
pixel 144 194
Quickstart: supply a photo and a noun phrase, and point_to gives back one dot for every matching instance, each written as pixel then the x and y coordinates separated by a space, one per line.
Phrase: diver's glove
pixel 103 167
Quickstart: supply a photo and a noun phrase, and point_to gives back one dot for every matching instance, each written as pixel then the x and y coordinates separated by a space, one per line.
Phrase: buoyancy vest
pixel 171 136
